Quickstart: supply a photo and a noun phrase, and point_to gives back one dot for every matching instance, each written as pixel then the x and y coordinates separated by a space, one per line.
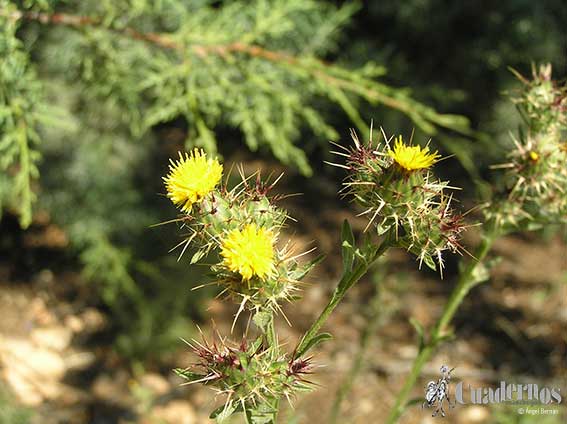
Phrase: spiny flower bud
pixel 248 373
pixel 398 192
pixel 436 232
pixel 256 279
pixel 542 101
pixel 536 176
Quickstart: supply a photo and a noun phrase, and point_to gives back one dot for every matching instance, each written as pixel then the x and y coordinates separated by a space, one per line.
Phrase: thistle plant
pixel 241 229
pixel 533 196
pixel 407 207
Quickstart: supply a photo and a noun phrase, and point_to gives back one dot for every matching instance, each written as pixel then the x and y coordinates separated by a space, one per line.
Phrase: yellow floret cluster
pixel 191 178
pixel 412 158
pixel 249 252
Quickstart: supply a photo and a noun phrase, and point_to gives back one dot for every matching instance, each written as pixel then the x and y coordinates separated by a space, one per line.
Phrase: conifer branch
pixel 331 74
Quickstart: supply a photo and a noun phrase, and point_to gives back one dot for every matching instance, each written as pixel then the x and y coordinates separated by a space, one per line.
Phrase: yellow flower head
pixel 249 252
pixel 534 156
pixel 191 178
pixel 412 158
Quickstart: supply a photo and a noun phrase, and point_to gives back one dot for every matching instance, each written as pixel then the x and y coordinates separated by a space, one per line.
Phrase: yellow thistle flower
pixel 191 178
pixel 249 252
pixel 412 158
pixel 534 156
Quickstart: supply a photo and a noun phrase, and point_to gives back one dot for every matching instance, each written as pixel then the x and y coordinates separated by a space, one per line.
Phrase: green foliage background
pixel 90 110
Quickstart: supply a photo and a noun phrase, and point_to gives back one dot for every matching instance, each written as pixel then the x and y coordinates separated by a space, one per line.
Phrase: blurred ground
pixel 56 357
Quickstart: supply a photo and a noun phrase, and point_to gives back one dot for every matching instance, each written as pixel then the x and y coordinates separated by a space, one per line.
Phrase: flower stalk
pixel 350 277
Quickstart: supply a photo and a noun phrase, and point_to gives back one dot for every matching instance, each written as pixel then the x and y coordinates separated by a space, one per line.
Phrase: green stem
pixel 467 280
pixel 348 280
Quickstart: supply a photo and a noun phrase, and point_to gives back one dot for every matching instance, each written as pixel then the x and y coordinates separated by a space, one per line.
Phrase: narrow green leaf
pixel 262 414
pixel 262 319
pixel 319 338
pixel 187 375
pixel 347 243
pixel 430 262
pixel 414 401
pixel 222 413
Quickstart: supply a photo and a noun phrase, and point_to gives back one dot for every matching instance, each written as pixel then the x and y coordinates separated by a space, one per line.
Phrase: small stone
pixel 474 415
pixel 175 412
pixel 23 389
pixel 32 373
pixel 42 362
pixel 366 406
pixel 56 338
pixel 105 387
pixel 74 323
pixel 156 383
pixel 80 360
pixel 39 312
pixel 93 320
pixel 111 389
